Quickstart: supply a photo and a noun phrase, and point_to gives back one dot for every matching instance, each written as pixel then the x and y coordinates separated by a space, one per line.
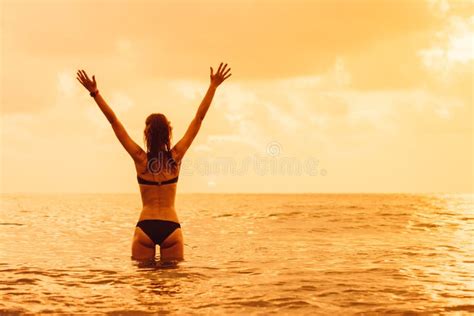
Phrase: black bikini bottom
pixel 158 230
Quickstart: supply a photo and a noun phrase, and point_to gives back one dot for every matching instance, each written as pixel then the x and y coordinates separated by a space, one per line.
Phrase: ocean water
pixel 308 254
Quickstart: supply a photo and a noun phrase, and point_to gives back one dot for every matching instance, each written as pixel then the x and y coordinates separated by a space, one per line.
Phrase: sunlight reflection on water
pixel 303 254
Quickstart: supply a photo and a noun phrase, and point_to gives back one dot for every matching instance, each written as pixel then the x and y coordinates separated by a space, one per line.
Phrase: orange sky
pixel 362 96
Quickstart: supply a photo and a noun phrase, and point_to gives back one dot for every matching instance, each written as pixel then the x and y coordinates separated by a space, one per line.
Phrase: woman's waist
pixel 159 213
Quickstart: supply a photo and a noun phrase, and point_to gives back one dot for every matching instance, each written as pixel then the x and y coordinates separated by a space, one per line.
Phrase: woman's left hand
pixel 220 76
pixel 90 85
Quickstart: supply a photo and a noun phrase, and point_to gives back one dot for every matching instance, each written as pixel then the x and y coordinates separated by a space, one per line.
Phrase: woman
pixel 157 171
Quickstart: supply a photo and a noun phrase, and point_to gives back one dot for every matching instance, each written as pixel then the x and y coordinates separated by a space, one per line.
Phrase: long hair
pixel 157 139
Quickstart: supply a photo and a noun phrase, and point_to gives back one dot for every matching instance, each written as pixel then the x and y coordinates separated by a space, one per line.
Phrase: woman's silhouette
pixel 157 171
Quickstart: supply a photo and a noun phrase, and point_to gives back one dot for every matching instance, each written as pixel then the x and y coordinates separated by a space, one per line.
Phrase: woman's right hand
pixel 90 85
pixel 220 76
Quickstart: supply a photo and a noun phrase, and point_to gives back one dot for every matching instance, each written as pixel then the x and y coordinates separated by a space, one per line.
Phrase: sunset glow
pixel 378 94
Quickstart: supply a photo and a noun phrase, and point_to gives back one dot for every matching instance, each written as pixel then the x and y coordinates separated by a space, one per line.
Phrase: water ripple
pixel 270 254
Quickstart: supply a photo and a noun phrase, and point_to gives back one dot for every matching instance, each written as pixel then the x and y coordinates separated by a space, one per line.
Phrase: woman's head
pixel 157 138
pixel 157 133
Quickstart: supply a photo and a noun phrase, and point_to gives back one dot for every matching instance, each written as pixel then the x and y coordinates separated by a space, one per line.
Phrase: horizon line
pixel 237 193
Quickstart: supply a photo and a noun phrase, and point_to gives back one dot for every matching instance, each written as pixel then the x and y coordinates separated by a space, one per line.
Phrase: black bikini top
pixel 147 182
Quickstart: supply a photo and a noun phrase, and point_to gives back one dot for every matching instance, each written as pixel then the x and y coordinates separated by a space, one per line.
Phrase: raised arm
pixel 216 79
pixel 135 151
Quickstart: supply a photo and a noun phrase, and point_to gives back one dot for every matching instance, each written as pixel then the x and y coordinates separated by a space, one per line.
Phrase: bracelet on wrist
pixel 94 93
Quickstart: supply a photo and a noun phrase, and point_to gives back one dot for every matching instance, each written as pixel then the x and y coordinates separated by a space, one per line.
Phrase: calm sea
pixel 312 254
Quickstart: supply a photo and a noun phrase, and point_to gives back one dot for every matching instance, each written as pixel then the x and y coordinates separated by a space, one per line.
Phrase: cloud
pixel 454 46
pixel 377 42
pixel 348 82
pixel 67 84
pixel 135 40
